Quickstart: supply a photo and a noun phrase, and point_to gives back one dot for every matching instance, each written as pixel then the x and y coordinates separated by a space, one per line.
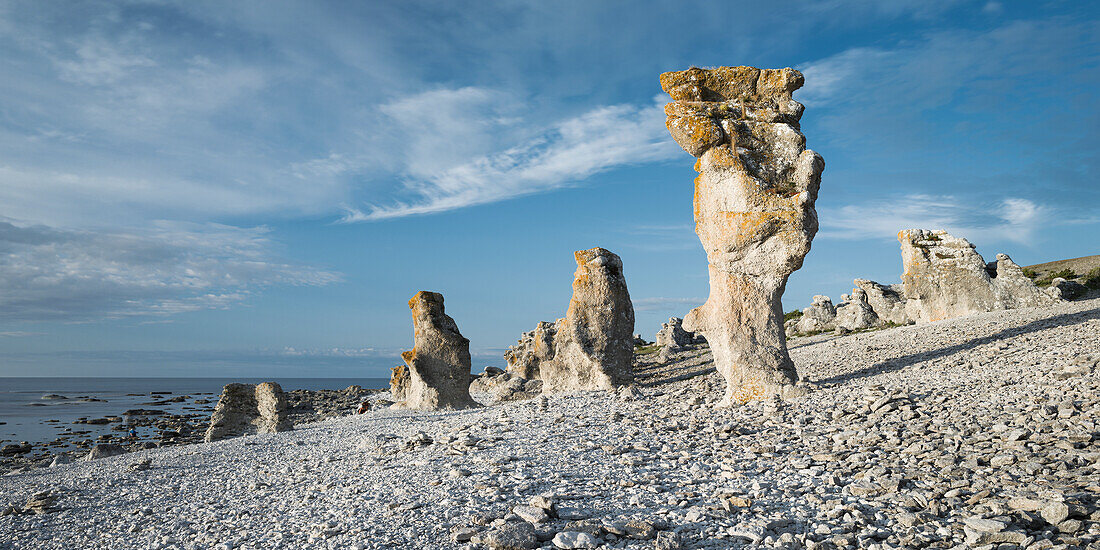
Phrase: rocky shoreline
pixel 979 431
pixel 159 428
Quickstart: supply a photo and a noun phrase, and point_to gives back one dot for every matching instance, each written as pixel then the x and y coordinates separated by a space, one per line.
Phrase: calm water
pixel 24 411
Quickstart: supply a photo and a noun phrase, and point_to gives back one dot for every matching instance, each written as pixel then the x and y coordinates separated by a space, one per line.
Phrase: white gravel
pixel 976 431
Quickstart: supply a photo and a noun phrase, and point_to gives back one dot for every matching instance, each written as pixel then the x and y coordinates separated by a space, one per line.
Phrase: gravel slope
pixel 980 431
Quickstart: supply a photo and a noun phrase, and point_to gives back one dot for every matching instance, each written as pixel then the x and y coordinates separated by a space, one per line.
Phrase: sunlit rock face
pixel 245 409
pixel 439 363
pixel 754 213
pixel 945 277
pixel 594 344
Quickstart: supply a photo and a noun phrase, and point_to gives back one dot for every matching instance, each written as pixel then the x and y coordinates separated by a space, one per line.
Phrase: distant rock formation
pixel 249 408
pixel 593 346
pixel 505 386
pixel 856 313
pixel 754 213
pixel 672 335
pixel 533 348
pixel 887 301
pixel 399 382
pixel 820 316
pixel 945 277
pixel 439 363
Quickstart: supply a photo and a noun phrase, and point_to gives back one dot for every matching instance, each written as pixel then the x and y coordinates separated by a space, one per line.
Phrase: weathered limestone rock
pixel 399 382
pixel 533 348
pixel 249 408
pixel 1066 290
pixel 439 363
pixel 754 214
pixel 594 343
pixel 887 301
pixel 104 450
pixel 945 277
pixel 856 313
pixel 820 316
pixel 505 386
pixel 672 335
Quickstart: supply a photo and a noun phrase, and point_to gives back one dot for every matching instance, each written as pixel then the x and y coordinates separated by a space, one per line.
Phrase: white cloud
pixel 1012 219
pixel 169 268
pixel 560 155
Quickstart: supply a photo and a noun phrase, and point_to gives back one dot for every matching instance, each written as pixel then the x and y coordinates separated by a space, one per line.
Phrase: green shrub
pixel 1066 274
pixel 646 350
pixel 1092 279
pixel 792 315
pixel 1030 273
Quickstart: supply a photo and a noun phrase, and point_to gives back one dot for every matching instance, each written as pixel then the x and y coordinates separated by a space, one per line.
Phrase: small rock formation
pixel 399 382
pixel 505 385
pixel 104 450
pixel 819 317
pixel 439 363
pixel 249 408
pixel 754 214
pixel 672 335
pixel 594 343
pixel 945 277
pixel 856 313
pixel 887 301
pixel 533 349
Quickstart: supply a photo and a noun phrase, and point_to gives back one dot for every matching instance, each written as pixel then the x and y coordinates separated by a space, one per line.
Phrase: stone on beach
pixel 856 313
pixel 754 214
pixel 439 363
pixel 104 450
pixel 245 409
pixel 594 343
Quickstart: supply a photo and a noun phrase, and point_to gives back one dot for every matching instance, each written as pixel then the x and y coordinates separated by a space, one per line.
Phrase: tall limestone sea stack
pixel 754 214
pixel 439 363
pixel 594 343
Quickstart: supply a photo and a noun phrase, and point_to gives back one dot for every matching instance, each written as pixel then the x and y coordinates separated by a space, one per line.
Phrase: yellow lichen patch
pixel 408 356
pixel 695 134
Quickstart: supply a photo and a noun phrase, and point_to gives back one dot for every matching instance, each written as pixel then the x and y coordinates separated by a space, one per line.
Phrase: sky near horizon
pixel 257 188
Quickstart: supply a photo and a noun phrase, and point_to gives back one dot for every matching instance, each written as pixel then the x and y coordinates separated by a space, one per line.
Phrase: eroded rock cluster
pixel 754 213
pixel 672 335
pixel 245 409
pixel 944 277
pixel 439 363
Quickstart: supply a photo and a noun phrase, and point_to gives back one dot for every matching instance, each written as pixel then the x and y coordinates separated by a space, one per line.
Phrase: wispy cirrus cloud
pixel 70 275
pixel 562 154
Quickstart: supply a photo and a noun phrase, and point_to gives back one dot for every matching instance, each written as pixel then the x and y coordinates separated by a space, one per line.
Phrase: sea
pixel 26 416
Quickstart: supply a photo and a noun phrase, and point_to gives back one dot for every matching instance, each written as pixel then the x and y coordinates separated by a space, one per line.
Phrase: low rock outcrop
pixel 672 335
pixel 1065 289
pixel 502 385
pixel 594 344
pixel 820 316
pixel 533 349
pixel 439 363
pixel 245 409
pixel 754 214
pixel 945 277
pixel 887 301
pixel 856 313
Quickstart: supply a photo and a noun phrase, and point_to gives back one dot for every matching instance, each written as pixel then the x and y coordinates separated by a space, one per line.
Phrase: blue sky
pixel 257 188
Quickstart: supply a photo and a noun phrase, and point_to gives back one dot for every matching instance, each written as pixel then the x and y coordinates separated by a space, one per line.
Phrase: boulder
pixel 819 317
pixel 594 343
pixel 672 335
pixel 505 386
pixel 439 363
pixel 1066 290
pixel 754 214
pixel 887 301
pixel 246 409
pixel 399 382
pixel 856 313
pixel 533 348
pixel 104 450
pixel 945 277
